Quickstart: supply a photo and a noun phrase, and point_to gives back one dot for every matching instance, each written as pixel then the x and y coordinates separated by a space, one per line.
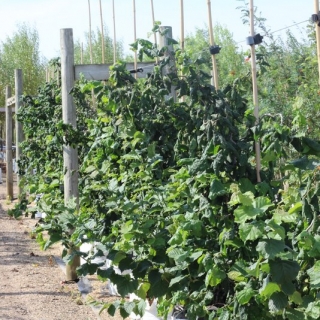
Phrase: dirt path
pixel 30 279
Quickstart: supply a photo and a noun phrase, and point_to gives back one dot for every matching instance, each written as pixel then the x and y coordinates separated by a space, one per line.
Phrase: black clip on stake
pixel 316 19
pixel 136 71
pixel 256 39
pixel 214 49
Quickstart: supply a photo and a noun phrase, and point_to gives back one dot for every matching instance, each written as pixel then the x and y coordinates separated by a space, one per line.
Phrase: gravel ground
pixel 30 279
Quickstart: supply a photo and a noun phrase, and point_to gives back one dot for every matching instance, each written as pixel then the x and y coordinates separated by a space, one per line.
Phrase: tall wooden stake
pixel 19 129
pixel 90 40
pixel 181 25
pixel 316 9
pixel 182 99
pixel 153 23
pixel 102 34
pixel 135 37
pixel 255 90
pixel 166 33
pixel 9 180
pixel 70 154
pixel 214 80
pixel 81 53
pixel 114 34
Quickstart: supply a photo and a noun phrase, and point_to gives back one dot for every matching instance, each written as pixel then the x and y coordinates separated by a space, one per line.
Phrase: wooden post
pixel 19 129
pixel 255 90
pixel 153 23
pixel 135 36
pixel 214 79
pixel 181 25
pixel 81 53
pixel 102 34
pixel 166 32
pixel 90 41
pixel 316 9
pixel 114 34
pixel 182 99
pixel 9 179
pixel 70 154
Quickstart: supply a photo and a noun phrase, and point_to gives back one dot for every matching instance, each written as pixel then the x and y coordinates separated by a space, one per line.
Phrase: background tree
pixel 97 49
pixel 21 51
pixel 230 60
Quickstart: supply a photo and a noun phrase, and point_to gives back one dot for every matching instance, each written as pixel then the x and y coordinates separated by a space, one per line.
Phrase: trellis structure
pixel 13 103
pixel 69 74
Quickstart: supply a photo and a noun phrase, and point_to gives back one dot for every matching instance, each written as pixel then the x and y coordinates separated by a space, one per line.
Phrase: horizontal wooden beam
pixel 3 109
pixel 100 72
pixel 11 101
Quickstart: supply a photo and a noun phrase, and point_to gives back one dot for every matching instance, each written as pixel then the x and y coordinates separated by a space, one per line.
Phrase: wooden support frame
pixel 255 90
pixel 100 72
pixel 317 29
pixel 9 169
pixel 166 33
pixel 18 75
pixel 70 154
pixel 214 72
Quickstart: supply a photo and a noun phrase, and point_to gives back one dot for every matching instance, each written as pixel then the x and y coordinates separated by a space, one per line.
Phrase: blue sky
pixel 49 16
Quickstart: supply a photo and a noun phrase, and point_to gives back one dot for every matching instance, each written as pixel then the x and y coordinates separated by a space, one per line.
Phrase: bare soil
pixel 30 279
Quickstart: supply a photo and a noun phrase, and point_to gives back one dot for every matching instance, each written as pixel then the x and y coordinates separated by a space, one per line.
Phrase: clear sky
pixel 49 16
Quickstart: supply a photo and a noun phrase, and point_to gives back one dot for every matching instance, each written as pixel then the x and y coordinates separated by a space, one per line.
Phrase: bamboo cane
pixel 182 99
pixel 90 42
pixel 114 34
pixel 214 80
pixel 102 35
pixel 255 90
pixel 153 23
pixel 135 36
pixel 182 25
pixel 316 8
pixel 81 53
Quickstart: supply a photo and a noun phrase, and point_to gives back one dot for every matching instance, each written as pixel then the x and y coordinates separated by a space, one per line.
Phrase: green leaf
pixel 143 290
pixel 244 213
pixel 262 203
pixel 293 314
pixel 140 308
pixel 245 295
pixel 313 310
pixel 278 301
pixel 159 286
pixel 236 276
pixel 54 238
pixel 251 231
pixel 178 254
pixel 126 309
pixel 278 231
pixel 113 308
pixel 269 248
pixel 216 189
pixel 296 208
pixel 225 315
pixel 87 268
pixel 177 280
pixel 314 274
pixel 284 272
pixel 214 276
pixel 270 289
pixel 296 298
pixel 125 284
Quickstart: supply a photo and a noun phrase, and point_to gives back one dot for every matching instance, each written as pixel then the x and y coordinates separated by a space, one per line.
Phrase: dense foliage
pixel 168 190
